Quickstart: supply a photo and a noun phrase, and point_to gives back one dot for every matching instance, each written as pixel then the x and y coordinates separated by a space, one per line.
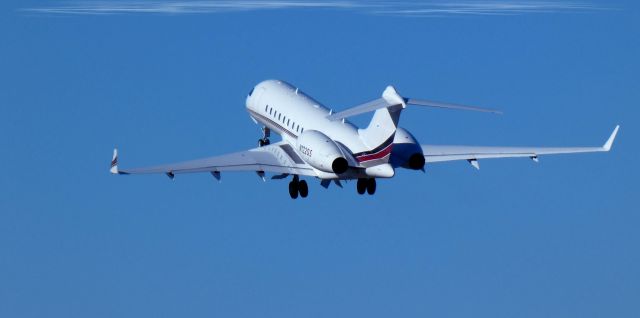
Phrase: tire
pixel 267 142
pixel 361 186
pixel 293 190
pixel 303 188
pixel 260 143
pixel 371 186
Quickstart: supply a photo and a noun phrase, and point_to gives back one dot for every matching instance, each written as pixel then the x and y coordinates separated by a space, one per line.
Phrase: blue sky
pixel 554 239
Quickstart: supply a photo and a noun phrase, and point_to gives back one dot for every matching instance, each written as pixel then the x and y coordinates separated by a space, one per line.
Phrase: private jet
pixel 319 143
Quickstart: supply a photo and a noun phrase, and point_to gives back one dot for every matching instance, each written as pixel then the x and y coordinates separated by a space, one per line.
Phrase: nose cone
pixel 249 101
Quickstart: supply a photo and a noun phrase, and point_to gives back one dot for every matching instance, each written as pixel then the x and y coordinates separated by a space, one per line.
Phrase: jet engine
pixel 407 152
pixel 321 152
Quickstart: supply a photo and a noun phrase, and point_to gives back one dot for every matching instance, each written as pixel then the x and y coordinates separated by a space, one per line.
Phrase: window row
pixel 286 121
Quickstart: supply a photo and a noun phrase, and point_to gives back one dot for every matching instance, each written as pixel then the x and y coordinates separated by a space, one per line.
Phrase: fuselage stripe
pixel 377 149
pixel 381 154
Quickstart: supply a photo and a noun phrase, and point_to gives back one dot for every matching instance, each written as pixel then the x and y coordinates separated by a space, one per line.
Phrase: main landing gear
pixel 366 185
pixel 264 141
pixel 297 186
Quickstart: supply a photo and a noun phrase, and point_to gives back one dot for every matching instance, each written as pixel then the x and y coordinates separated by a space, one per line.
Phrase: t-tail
pixel 379 135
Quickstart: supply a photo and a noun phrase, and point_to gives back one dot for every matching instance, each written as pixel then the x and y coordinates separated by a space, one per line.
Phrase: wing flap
pixel 272 158
pixel 437 153
pixel 441 153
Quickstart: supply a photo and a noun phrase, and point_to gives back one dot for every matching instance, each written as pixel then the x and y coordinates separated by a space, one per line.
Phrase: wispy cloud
pixel 396 8
pixel 489 8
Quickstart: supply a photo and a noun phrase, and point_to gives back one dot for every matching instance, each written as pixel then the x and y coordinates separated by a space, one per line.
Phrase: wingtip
pixel 609 143
pixel 114 162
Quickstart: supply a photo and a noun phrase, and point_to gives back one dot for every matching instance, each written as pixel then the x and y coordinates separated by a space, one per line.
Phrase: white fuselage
pixel 288 111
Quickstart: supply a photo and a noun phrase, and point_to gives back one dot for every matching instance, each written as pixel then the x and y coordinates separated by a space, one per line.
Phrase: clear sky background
pixel 514 239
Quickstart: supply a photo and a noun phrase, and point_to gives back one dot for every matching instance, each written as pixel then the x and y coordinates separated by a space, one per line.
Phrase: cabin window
pixel 284 119
pixel 279 115
pixel 265 108
pixel 270 110
pixel 302 130
pixel 298 128
pixel 288 122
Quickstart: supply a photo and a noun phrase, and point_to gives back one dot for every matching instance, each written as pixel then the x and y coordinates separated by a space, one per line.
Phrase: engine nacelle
pixel 321 152
pixel 407 152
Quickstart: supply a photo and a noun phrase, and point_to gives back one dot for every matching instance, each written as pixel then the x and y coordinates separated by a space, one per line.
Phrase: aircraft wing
pixel 441 153
pixel 276 158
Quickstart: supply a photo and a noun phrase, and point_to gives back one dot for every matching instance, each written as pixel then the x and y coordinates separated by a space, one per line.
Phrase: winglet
pixel 114 162
pixel 609 143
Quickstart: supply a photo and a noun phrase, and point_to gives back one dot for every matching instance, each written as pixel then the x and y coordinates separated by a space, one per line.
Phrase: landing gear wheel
pixel 263 142
pixel 362 186
pixel 303 188
pixel 293 189
pixel 371 186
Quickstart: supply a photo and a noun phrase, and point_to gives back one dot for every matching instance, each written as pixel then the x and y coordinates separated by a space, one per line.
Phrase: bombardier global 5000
pixel 316 142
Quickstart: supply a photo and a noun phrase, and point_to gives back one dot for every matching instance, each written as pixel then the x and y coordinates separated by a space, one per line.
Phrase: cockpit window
pixel 251 92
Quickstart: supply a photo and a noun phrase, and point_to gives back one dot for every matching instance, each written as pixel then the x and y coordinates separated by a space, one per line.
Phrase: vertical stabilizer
pixel 378 136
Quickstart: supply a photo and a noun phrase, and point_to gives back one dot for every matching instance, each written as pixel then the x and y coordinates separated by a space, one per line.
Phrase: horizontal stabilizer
pixel 429 103
pixel 391 98
pixel 360 109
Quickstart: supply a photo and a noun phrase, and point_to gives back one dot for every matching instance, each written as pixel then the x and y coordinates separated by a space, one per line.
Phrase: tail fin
pixel 379 135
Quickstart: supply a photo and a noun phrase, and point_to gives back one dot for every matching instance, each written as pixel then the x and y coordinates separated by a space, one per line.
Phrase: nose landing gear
pixel 264 141
pixel 366 185
pixel 297 186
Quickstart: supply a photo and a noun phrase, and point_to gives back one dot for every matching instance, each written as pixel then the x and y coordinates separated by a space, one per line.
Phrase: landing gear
pixel 297 186
pixel 371 186
pixel 303 188
pixel 293 189
pixel 264 141
pixel 361 186
pixel 366 185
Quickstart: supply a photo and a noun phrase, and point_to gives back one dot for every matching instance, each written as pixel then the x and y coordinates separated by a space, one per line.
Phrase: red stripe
pixel 378 155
